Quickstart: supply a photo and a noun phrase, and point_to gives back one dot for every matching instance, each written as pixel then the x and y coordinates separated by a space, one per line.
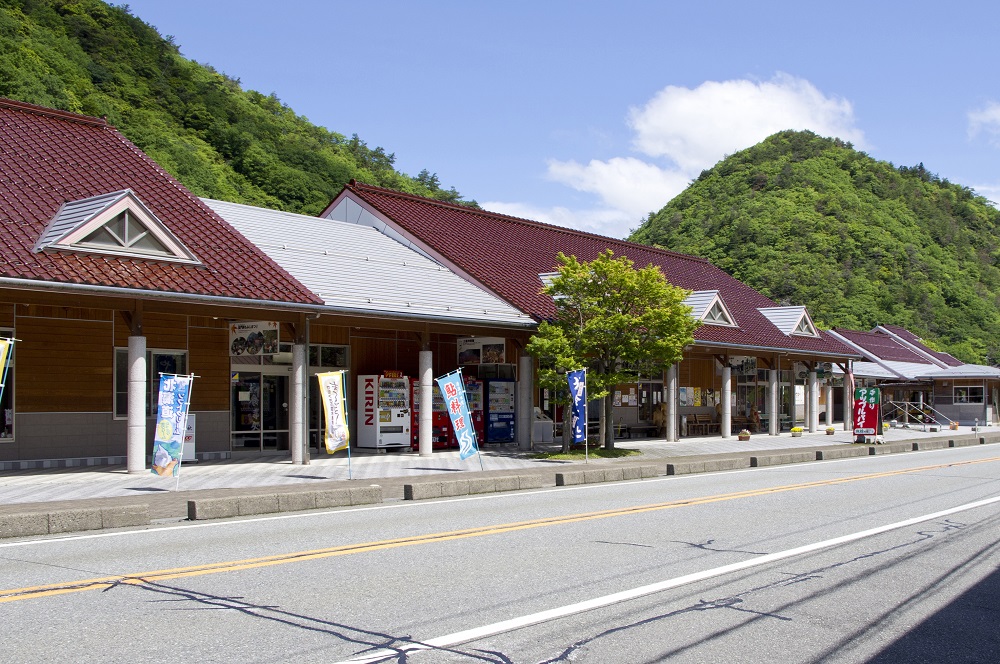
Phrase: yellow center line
pixel 102 583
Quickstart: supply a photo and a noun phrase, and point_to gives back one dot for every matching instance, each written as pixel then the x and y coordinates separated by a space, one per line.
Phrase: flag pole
pixel 343 409
pixel 586 424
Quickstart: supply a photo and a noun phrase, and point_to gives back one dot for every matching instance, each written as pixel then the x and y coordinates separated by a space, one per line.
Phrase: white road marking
pixel 476 633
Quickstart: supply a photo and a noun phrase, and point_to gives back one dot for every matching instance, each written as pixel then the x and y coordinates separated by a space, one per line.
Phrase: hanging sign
pixel 452 386
pixel 481 350
pixel 331 389
pixel 578 412
pixel 867 401
pixel 171 423
pixel 253 338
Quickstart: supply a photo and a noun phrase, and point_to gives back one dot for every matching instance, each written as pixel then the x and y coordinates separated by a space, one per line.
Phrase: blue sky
pixel 592 114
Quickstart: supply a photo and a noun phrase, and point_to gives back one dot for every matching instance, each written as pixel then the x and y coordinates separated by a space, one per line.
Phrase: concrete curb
pixel 781 459
pixel 598 475
pixel 291 501
pixel 74 520
pixel 478 485
pixel 710 466
pixel 845 453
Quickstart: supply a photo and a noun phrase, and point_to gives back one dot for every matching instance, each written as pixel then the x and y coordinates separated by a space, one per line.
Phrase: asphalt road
pixel 886 558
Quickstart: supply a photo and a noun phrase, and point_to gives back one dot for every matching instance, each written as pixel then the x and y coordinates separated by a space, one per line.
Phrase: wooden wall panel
pixel 329 334
pixel 372 356
pixel 208 358
pixel 164 331
pixel 64 365
pixel 6 315
pixel 698 373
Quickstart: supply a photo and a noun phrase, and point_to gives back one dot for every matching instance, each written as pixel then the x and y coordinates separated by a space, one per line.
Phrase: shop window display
pixel 157 362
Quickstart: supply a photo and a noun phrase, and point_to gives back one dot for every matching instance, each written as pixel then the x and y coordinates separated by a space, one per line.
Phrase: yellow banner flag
pixel 331 388
pixel 6 346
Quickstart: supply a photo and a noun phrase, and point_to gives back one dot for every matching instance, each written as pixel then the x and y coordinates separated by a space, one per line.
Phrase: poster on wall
pixel 697 396
pixel 481 350
pixel 253 338
pixel 682 394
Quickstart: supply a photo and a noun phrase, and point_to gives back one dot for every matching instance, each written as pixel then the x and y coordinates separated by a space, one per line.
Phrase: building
pixel 751 359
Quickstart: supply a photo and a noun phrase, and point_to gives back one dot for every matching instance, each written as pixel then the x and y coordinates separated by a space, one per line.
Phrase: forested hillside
pixel 219 140
pixel 811 221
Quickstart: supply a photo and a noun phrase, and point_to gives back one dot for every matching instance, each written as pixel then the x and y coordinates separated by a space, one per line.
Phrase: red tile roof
pixel 50 157
pixel 881 346
pixel 506 254
pixel 911 338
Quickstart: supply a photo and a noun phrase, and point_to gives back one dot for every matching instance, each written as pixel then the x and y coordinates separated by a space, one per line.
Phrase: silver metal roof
pixel 962 371
pixel 700 301
pixel 355 268
pixel 73 214
pixel 785 319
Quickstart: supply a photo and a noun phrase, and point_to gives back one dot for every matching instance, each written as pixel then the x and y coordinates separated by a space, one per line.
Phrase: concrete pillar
pixel 829 404
pixel 848 404
pixel 673 417
pixel 813 401
pixel 137 395
pixel 727 401
pixel 296 404
pixel 774 424
pixel 425 426
pixel 525 401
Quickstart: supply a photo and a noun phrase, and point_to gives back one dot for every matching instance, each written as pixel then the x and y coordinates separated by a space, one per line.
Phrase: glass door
pixel 245 410
pixel 274 412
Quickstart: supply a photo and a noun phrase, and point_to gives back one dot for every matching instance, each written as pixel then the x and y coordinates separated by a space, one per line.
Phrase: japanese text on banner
pixel 578 412
pixel 331 387
pixel 171 423
pixel 453 389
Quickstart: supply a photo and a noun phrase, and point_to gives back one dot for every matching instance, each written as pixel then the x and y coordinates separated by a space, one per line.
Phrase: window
pixel 7 398
pixel 805 328
pixel 157 362
pixel 968 394
pixel 334 357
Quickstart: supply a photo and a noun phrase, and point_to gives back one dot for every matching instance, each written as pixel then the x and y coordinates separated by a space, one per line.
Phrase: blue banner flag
pixel 578 412
pixel 453 388
pixel 171 423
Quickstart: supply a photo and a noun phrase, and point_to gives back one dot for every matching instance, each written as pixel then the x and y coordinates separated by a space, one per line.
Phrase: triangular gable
pixel 790 320
pixel 117 224
pixel 708 307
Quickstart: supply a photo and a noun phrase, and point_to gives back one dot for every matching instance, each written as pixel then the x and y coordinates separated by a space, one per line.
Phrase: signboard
pixel 482 350
pixel 189 449
pixel 6 348
pixel 171 423
pixel 867 401
pixel 253 338
pixel 331 389
pixel 578 412
pixel 453 388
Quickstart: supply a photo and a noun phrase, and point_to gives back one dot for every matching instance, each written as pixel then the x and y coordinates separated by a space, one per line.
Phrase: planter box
pixel 830 433
pixel 953 426
pixel 796 434
pixel 744 438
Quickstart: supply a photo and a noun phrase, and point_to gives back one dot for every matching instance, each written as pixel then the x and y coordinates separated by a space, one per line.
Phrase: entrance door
pixel 259 411
pixel 274 412
pixel 246 411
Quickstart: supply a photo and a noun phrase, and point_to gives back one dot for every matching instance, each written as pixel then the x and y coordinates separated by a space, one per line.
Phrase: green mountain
pixel 221 141
pixel 811 221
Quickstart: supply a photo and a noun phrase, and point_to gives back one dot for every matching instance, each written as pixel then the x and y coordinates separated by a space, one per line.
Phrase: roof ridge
pixel 52 112
pixel 355 186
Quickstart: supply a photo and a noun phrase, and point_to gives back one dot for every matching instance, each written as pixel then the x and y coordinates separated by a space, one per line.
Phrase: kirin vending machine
pixel 384 416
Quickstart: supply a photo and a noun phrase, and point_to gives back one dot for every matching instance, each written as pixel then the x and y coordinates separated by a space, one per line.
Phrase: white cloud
pixel 986 120
pixel 684 131
pixel 603 221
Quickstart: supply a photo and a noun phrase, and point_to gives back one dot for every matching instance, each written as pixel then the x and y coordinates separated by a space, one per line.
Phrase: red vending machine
pixel 441 434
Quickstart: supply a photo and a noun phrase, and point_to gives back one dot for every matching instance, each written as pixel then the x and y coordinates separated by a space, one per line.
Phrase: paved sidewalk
pixel 46 490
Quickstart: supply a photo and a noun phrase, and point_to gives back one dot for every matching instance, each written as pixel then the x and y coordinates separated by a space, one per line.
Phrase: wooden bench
pixel 646 429
pixel 702 424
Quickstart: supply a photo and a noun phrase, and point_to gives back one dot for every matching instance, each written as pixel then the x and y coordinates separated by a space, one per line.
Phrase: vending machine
pixel 384 416
pixel 441 434
pixel 500 395
pixel 474 397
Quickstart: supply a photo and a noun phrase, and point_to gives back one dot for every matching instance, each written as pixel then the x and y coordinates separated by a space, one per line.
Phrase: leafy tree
pixel 811 221
pixel 221 141
pixel 613 319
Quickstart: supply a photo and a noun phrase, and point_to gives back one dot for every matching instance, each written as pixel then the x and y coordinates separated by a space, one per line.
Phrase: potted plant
pixel 953 426
pixel 796 432
pixel 744 434
pixel 830 431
